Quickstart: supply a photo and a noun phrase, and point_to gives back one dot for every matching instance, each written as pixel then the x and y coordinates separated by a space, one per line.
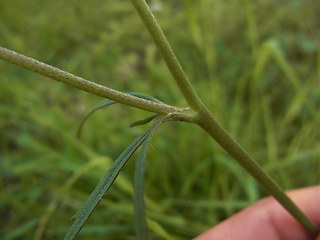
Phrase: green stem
pixel 202 117
pixel 218 133
pixel 86 85
pixel 164 47
pixel 206 121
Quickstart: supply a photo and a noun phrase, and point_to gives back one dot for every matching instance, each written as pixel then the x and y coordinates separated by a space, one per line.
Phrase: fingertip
pixel 267 219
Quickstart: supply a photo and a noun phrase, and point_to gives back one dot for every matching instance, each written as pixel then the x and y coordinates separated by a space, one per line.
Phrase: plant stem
pixel 171 60
pixel 202 117
pixel 86 85
pixel 219 134
pixel 206 121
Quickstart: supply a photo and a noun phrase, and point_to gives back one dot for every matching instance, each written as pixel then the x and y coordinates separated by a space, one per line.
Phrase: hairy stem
pixel 165 49
pixel 86 85
pixel 218 133
pixel 210 125
pixel 201 116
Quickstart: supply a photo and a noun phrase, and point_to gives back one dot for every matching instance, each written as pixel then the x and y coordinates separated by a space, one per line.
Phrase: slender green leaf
pixel 138 198
pixel 102 104
pixel 144 121
pixel 103 186
pixel 144 96
pixel 139 205
pixel 107 102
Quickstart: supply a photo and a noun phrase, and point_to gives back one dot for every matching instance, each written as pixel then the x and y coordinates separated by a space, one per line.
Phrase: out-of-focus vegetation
pixel 256 64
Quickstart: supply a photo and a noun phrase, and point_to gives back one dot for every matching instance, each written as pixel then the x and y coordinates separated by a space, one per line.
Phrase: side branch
pixel 218 133
pixel 84 84
pixel 165 49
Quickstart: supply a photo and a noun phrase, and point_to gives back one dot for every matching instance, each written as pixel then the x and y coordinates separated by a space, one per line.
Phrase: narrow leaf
pixel 102 104
pixel 144 121
pixel 107 102
pixel 138 199
pixel 103 186
pixel 144 96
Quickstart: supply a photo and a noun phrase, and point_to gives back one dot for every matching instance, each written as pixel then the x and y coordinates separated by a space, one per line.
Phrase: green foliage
pixel 139 204
pixel 144 121
pixel 222 49
pixel 107 102
pixel 99 192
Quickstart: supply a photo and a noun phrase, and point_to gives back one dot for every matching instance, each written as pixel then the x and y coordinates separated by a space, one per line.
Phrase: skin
pixel 267 219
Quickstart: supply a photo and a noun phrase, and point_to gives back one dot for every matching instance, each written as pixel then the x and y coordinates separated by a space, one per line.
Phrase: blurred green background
pixel 256 64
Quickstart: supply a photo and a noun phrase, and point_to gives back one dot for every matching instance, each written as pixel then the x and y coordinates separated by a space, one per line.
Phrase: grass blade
pixel 107 102
pixel 103 186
